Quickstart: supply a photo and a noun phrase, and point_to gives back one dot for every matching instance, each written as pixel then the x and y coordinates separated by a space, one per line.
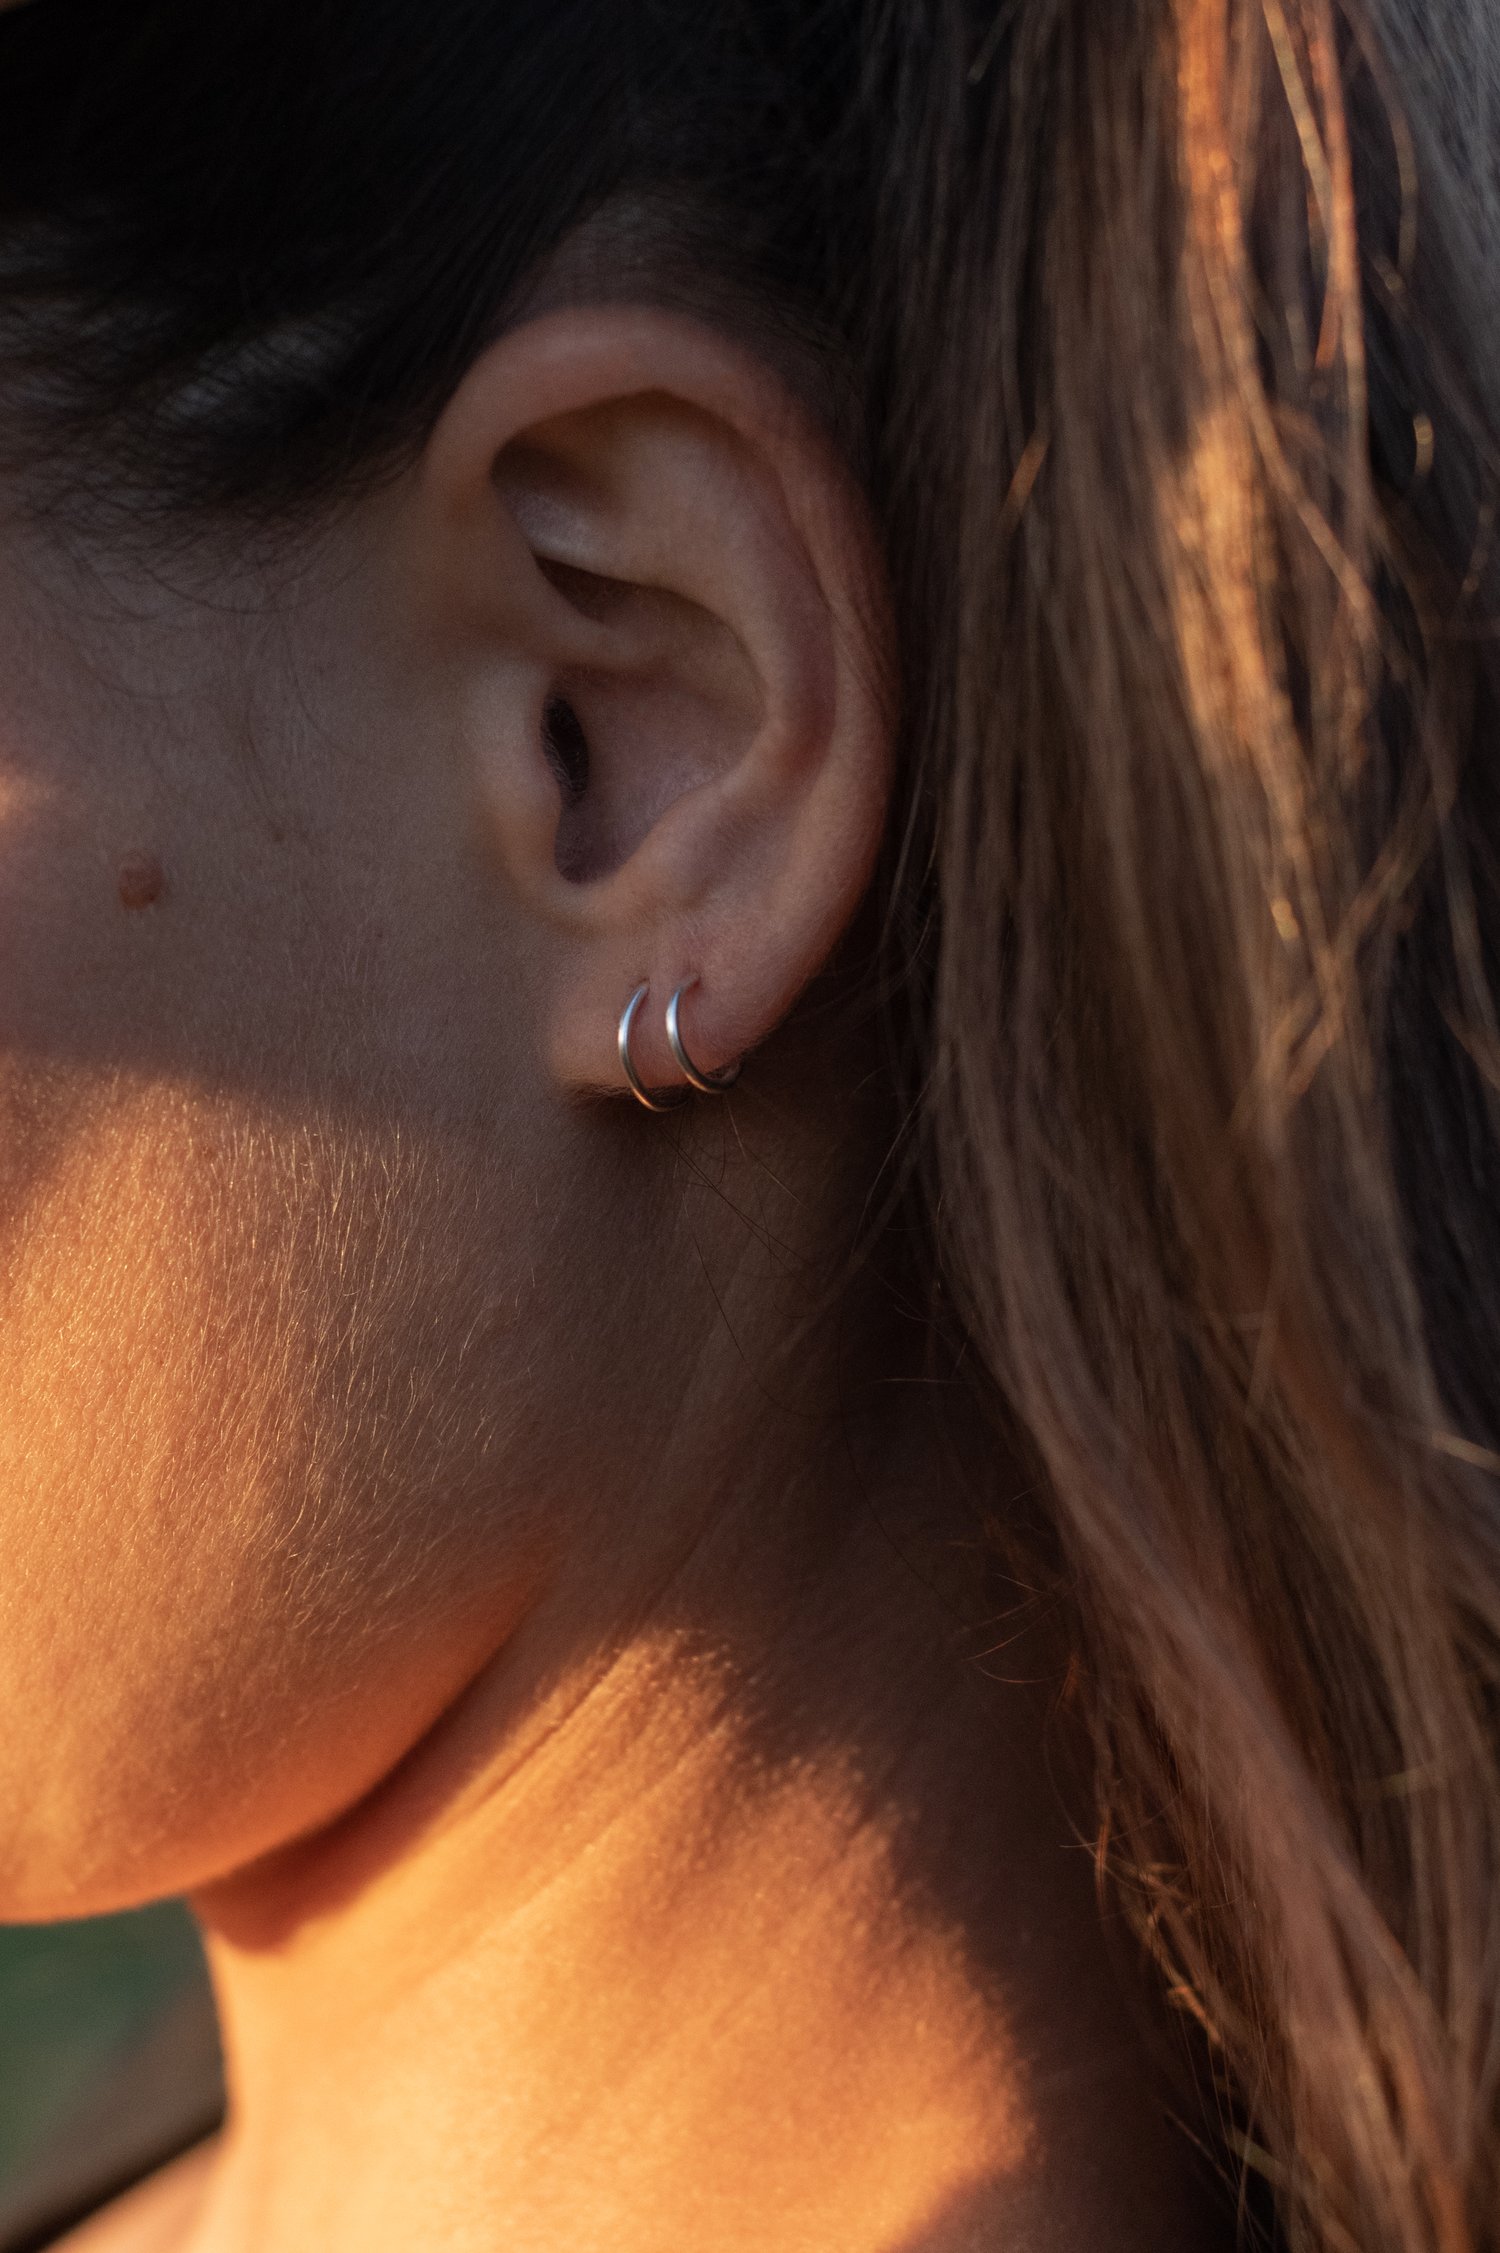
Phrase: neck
pixel 769 1936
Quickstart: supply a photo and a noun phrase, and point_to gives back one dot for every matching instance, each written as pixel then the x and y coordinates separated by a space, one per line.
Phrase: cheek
pixel 269 1490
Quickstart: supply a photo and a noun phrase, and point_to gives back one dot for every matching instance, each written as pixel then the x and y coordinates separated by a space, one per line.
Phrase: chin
pixel 131 1799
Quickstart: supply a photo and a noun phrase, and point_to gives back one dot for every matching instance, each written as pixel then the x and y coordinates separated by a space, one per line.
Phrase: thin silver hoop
pixel 707 1083
pixel 633 1079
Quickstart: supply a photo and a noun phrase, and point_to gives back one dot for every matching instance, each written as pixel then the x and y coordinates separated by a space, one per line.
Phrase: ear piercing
pixel 707 1083
pixel 633 1078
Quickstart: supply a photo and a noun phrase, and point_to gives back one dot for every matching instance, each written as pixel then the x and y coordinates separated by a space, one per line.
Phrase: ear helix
pixel 706 1083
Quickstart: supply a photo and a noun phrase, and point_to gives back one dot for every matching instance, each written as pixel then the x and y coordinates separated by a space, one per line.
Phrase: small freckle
pixel 141 881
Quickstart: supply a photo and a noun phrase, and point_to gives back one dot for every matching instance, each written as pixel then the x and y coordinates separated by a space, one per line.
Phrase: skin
pixel 479 1540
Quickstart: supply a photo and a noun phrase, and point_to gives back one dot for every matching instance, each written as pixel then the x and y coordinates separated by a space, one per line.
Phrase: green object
pixel 76 2000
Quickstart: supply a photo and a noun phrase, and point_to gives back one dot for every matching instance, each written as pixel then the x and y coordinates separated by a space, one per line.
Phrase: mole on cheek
pixel 141 881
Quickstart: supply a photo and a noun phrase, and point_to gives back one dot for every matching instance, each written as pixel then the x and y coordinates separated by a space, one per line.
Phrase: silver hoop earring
pixel 707 1083
pixel 633 1079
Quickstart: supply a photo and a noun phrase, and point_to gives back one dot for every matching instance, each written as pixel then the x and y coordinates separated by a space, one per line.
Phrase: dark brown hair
pixel 1163 337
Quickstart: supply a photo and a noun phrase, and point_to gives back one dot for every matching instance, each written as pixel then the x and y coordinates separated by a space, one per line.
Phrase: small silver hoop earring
pixel 633 1079
pixel 707 1083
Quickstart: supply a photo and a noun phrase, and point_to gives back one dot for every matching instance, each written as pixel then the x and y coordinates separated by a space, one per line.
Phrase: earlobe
pixel 689 622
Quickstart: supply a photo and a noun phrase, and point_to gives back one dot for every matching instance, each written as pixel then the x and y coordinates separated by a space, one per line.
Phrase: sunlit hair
pixel 1164 336
pixel 1210 746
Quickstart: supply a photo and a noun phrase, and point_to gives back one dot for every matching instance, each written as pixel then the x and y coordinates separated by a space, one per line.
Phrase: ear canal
pixel 565 745
pixel 567 748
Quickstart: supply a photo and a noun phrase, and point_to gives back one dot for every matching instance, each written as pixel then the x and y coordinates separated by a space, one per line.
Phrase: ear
pixel 664 589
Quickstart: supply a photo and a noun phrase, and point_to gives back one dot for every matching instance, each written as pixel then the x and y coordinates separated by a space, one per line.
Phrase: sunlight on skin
pixel 130 1382
pixel 650 1946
